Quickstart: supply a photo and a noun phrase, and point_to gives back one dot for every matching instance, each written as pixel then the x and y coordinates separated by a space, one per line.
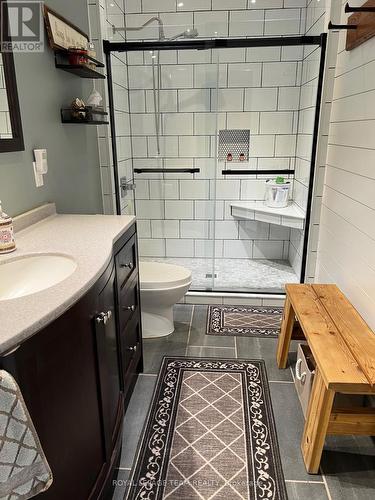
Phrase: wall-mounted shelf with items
pixel 363 18
pixel 290 216
pixel 89 119
pixel 64 58
pixel 361 24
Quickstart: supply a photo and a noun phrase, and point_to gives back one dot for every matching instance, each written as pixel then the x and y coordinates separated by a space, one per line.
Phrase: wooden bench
pixel 343 346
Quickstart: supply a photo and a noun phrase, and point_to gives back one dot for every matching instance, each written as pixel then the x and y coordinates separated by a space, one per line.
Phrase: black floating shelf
pixel 83 122
pixel 66 117
pixel 81 70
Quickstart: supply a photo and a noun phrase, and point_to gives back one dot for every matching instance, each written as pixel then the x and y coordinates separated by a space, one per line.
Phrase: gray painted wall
pixel 73 180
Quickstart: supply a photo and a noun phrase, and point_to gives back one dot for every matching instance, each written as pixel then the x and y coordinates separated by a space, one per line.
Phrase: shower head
pixel 189 33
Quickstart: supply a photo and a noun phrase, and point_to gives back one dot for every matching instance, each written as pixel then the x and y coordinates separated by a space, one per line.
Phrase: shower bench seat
pixel 290 216
pixel 343 347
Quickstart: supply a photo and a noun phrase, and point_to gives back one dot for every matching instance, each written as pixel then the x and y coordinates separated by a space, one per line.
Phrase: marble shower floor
pixel 235 274
pixel 348 462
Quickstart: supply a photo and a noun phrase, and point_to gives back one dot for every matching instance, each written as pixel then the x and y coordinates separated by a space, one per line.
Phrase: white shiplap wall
pixel 318 13
pixel 346 249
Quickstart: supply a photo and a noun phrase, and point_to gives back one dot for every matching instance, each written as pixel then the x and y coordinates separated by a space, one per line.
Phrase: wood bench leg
pixel 318 416
pixel 285 334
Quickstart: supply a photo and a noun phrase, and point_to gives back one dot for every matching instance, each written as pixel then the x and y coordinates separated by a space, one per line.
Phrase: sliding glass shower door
pixel 172 133
pixel 266 107
pixel 202 136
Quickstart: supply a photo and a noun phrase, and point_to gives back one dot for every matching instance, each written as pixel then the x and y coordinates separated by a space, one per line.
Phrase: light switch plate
pixel 39 182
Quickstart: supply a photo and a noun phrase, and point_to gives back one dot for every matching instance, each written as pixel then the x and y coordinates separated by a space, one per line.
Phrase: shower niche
pixel 234 145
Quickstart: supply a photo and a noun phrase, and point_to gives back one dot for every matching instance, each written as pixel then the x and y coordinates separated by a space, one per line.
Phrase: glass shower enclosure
pixel 201 130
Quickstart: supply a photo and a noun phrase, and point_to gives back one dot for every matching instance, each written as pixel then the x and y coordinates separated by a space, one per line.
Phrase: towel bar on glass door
pixel 257 172
pixel 166 170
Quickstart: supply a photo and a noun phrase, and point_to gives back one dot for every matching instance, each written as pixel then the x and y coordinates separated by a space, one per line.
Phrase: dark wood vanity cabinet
pixel 129 325
pixel 76 376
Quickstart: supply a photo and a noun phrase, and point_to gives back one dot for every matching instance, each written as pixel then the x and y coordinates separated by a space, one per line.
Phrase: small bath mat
pixel 210 434
pixel 244 321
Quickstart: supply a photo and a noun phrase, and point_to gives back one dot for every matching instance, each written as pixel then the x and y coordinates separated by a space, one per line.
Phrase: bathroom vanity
pixel 75 349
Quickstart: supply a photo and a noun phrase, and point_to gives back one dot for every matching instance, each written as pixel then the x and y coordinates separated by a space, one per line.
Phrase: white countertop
pixel 88 239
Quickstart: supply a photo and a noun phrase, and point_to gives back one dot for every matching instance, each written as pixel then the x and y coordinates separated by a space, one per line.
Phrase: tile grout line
pixel 189 332
pixel 211 347
pixel 325 484
pixel 280 382
pixel 303 482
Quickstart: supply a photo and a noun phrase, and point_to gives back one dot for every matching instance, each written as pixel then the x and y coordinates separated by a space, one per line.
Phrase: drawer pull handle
pixel 129 308
pixel 300 376
pixel 127 266
pixel 104 317
pixel 133 349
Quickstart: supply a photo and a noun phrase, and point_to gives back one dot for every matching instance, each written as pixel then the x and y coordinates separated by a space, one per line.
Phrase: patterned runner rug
pixel 210 434
pixel 244 321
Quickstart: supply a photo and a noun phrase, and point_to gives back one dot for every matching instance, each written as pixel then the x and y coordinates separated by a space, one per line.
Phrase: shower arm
pixel 138 28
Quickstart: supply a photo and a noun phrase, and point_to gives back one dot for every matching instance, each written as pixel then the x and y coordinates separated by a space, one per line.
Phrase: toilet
pixel 162 286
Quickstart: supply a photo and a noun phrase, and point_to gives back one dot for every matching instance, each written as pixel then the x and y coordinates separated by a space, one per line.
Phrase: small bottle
pixel 7 243
pixel 242 157
pixel 229 157
pixel 92 53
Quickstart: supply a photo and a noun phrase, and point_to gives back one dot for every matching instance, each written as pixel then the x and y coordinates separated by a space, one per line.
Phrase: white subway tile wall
pixel 189 102
pixel 254 88
pixel 102 15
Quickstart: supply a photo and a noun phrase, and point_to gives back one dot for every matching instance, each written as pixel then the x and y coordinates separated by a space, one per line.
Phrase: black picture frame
pixel 16 143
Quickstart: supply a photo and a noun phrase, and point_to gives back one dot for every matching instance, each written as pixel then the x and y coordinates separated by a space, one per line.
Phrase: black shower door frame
pixel 223 43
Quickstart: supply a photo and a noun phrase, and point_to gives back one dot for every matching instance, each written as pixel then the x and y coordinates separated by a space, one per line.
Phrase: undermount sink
pixel 33 273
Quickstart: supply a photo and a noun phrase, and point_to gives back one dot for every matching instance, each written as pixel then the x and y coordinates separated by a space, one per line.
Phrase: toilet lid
pixel 160 275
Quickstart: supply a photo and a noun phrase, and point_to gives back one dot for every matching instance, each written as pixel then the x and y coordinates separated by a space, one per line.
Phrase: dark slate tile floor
pixel 348 464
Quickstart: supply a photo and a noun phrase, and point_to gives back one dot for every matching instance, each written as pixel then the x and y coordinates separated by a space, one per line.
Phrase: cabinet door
pixel 108 362
pixel 56 370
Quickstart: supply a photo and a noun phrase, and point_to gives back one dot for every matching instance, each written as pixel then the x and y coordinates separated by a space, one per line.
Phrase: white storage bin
pixel 304 375
pixel 277 195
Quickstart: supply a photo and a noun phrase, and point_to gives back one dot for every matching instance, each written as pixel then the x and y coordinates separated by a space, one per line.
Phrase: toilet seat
pixel 160 276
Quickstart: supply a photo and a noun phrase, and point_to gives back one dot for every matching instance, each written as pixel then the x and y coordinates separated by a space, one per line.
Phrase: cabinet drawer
pixel 130 343
pixel 126 261
pixel 129 302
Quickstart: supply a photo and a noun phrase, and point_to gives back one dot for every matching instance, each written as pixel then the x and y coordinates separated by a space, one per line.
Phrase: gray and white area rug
pixel 244 321
pixel 210 434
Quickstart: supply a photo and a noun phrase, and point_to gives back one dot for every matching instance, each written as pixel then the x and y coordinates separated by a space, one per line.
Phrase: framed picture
pixel 62 34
